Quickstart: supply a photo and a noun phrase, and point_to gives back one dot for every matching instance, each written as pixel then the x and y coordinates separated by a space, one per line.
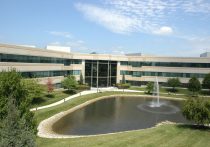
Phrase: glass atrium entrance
pixel 100 73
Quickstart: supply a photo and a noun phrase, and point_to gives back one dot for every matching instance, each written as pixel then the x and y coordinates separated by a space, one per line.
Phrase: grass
pixel 168 90
pixel 165 135
pixel 46 99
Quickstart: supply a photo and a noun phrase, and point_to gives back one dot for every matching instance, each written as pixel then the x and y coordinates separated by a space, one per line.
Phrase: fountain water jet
pixel 156 103
pixel 157 106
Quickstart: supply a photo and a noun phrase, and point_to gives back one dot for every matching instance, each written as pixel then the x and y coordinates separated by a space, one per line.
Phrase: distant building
pixel 206 54
pixel 133 54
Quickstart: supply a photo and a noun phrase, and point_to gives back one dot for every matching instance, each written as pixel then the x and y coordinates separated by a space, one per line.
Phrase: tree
pixel 13 89
pixel 34 89
pixel 206 82
pixel 194 85
pixel 81 80
pixel 50 86
pixel 173 82
pixel 123 79
pixel 197 110
pixel 14 131
pixel 149 87
pixel 70 83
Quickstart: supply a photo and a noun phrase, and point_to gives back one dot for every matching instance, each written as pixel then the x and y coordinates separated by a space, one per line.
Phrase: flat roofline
pixel 76 53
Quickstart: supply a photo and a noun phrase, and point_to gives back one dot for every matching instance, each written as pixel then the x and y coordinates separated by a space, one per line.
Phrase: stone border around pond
pixel 45 127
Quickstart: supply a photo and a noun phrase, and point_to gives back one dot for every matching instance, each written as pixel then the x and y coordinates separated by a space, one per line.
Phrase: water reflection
pixel 113 115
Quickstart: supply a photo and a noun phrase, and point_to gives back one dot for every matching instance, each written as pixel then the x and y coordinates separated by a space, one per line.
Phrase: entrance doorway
pixel 101 73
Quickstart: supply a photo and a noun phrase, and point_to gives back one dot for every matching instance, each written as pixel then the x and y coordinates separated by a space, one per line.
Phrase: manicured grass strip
pixel 162 90
pixel 166 135
pixel 46 100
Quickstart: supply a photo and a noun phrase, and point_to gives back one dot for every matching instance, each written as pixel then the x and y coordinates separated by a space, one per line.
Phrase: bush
pixel 123 86
pixel 194 85
pixel 197 110
pixel 149 88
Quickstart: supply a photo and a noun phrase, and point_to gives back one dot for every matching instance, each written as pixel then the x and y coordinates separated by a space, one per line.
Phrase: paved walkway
pixel 93 90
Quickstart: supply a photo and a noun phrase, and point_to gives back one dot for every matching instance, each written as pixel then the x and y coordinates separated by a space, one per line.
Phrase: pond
pixel 118 114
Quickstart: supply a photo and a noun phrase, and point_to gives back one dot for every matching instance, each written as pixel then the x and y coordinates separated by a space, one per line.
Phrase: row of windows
pixel 161 74
pixel 39 74
pixel 166 64
pixel 37 59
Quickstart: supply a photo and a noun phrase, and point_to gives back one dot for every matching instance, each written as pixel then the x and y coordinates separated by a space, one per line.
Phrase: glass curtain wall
pixel 101 73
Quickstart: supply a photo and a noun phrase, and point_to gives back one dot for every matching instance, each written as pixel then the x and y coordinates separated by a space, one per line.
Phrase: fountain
pixel 156 106
pixel 156 94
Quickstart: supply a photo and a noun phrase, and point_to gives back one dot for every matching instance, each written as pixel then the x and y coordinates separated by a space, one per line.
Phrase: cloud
pixel 61 34
pixel 148 16
pixel 112 20
pixel 165 30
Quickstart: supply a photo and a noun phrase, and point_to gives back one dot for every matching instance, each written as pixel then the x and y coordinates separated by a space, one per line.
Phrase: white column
pixel 83 70
pixel 97 75
pixel 118 72
pixel 91 81
pixel 108 75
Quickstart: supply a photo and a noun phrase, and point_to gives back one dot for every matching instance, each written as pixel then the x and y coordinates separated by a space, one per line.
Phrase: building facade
pixel 99 69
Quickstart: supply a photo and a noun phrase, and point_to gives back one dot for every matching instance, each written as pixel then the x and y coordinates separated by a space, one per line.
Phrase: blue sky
pixel 153 27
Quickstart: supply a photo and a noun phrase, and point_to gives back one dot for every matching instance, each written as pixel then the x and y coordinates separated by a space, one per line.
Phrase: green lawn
pixel 45 99
pixel 166 90
pixel 166 135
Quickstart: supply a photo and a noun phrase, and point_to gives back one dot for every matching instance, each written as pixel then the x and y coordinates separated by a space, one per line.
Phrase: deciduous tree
pixel 70 83
pixel 50 86
pixel 197 110
pixel 194 85
pixel 173 82
pixel 206 82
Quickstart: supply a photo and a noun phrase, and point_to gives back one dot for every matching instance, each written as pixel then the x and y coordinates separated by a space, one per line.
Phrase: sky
pixel 152 27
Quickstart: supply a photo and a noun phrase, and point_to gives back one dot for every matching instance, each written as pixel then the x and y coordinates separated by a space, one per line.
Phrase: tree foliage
pixel 197 110
pixel 173 82
pixel 34 89
pixel 206 81
pixel 50 86
pixel 150 86
pixel 123 79
pixel 12 88
pixel 70 83
pixel 194 85
pixel 14 131
pixel 81 79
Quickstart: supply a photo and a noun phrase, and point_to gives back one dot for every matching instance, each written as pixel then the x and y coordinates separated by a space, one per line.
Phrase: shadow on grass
pixel 172 90
pixel 37 101
pixel 193 127
pixel 70 92
pixel 205 92
pixel 50 95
